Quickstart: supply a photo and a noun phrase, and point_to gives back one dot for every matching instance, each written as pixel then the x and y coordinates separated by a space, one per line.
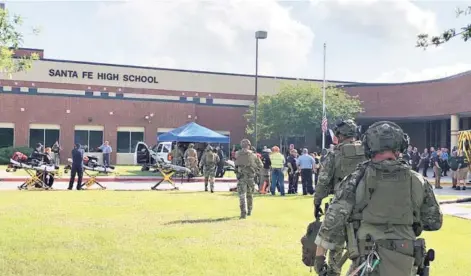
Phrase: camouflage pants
pixel 192 164
pixel 245 188
pixel 334 258
pixel 209 174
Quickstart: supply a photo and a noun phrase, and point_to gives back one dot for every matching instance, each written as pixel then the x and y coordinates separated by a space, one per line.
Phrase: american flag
pixel 324 124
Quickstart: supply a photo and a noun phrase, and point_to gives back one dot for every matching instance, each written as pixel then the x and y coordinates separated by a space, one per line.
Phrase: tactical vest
pixel 245 160
pixel 347 158
pixel 389 197
pixel 191 153
pixel 210 158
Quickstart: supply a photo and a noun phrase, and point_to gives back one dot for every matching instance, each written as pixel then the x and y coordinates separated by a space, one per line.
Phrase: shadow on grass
pixel 191 221
pixel 235 194
pixel 187 192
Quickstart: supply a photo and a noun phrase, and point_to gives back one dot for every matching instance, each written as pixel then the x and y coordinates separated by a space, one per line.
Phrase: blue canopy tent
pixel 192 132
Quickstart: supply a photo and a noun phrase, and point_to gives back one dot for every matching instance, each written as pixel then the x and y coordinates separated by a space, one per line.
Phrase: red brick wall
pixel 52 110
pixel 223 118
pixel 432 98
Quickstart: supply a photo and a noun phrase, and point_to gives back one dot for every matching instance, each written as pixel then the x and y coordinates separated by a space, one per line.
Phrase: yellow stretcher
pixel 464 143
pixel 167 175
pixel 91 181
pixel 36 180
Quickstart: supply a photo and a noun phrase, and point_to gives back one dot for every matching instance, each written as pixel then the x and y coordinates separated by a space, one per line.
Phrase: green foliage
pixel 297 109
pixel 424 40
pixel 10 41
pixel 6 153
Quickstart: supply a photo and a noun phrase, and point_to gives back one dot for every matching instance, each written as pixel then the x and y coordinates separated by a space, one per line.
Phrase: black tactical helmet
pixel 347 128
pixel 382 136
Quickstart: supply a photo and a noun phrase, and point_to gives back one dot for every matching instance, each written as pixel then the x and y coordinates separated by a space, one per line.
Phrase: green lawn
pixel 99 233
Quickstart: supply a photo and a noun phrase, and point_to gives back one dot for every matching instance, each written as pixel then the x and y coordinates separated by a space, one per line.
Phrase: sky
pixel 366 40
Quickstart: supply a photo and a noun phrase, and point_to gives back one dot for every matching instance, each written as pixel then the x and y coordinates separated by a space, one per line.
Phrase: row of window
pixel 89 139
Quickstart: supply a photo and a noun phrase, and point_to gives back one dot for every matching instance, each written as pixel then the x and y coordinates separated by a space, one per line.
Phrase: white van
pixel 143 155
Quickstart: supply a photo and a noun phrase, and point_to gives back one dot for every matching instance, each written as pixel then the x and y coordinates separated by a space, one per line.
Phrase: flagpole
pixel 323 100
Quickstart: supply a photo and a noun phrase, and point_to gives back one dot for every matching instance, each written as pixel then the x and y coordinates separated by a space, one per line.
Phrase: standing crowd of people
pixel 441 163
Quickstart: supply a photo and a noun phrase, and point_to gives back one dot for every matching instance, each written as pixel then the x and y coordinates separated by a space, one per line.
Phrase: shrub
pixel 6 153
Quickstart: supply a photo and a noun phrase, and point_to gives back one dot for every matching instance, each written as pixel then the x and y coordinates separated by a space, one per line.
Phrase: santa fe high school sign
pixel 101 76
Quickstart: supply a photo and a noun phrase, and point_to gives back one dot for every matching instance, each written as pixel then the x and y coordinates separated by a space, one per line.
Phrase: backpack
pixel 308 245
pixel 347 158
pixel 210 158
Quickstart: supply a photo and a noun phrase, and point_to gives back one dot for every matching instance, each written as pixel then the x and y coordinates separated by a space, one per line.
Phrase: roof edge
pixel 190 71
pixel 366 84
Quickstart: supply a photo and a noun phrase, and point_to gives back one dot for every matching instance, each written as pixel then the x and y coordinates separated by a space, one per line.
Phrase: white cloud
pixel 209 35
pixel 406 75
pixel 398 19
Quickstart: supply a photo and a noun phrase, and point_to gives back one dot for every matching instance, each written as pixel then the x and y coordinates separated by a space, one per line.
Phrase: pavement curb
pixel 156 179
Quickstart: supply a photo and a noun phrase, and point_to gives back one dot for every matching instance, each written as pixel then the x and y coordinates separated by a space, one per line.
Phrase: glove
pixel 318 211
pixel 320 265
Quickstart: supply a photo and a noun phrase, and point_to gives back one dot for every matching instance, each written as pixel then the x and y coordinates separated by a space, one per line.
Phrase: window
pixel 127 140
pixel 6 137
pixel 47 137
pixel 89 139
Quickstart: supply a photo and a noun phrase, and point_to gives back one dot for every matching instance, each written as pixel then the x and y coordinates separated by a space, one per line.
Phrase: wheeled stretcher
pixel 37 171
pixel 91 169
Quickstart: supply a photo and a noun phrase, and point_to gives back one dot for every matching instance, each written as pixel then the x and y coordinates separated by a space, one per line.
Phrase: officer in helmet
pixel 247 166
pixel 338 163
pixel 382 207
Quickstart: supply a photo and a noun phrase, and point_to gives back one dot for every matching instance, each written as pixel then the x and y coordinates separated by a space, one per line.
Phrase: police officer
pixel 247 166
pixel 77 167
pixel 382 207
pixel 208 164
pixel 338 163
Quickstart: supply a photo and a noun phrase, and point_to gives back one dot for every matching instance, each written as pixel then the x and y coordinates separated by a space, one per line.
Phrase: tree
pixel 10 41
pixel 424 40
pixel 297 109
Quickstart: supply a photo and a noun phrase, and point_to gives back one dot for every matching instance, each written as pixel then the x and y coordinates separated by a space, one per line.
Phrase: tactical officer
pixel 338 163
pixel 380 209
pixel 209 162
pixel 247 166
pixel 191 159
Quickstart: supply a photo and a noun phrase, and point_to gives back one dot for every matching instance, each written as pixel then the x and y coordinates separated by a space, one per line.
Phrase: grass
pixel 171 233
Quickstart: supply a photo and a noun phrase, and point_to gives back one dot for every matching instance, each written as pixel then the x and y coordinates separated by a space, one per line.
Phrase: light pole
pixel 258 35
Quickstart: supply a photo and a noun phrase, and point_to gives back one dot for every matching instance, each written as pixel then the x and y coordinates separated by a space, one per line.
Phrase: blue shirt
pixel 77 157
pixel 306 162
pixel 106 149
pixel 445 155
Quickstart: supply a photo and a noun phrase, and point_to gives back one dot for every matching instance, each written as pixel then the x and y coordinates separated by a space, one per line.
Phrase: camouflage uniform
pixel 383 203
pixel 209 162
pixel 338 163
pixel 247 166
pixel 176 156
pixel 191 159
